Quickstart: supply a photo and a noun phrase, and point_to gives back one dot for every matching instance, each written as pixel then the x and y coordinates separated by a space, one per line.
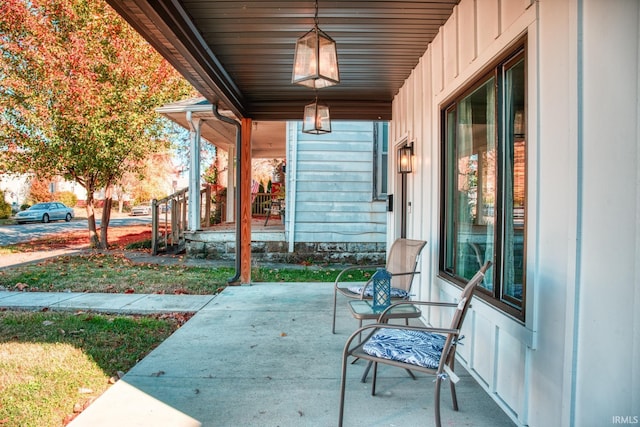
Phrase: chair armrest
pixel 381 318
pixel 348 269
pixel 429 303
pixel 405 273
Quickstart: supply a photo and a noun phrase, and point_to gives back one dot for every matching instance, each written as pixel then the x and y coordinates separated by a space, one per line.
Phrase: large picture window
pixel 484 184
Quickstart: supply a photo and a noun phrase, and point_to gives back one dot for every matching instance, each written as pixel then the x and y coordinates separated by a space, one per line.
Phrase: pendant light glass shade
pixel 315 64
pixel 316 119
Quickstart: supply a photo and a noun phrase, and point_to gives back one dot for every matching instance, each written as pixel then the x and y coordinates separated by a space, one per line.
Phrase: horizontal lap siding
pixel 334 187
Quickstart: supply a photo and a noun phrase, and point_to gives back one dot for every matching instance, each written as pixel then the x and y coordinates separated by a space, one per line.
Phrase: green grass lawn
pixel 53 364
pixel 117 274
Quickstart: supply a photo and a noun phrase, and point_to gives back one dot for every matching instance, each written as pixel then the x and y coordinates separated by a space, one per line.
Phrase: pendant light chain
pixel 315 20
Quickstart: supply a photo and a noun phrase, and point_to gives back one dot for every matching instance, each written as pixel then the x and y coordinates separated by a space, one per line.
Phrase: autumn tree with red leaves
pixel 78 89
pixel 40 191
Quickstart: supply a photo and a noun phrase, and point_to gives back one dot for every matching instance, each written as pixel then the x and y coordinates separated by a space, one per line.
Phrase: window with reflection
pixel 380 155
pixel 484 184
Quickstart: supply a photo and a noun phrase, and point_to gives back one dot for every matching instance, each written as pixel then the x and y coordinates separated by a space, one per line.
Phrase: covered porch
pixel 240 58
pixel 264 355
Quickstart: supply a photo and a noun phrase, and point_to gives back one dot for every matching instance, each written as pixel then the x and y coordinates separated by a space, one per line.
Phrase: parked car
pixel 45 212
pixel 165 207
pixel 141 210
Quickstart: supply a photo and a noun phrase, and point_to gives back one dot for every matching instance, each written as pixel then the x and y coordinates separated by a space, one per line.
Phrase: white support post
pixel 193 204
pixel 231 185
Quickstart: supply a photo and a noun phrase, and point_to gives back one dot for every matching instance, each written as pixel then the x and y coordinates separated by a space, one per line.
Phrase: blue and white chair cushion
pixel 415 347
pixel 368 292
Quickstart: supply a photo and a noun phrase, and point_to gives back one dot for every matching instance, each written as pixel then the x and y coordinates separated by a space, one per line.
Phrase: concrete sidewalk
pixel 104 303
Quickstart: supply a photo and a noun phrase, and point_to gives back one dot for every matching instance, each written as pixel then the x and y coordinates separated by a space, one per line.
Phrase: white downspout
pixel 193 203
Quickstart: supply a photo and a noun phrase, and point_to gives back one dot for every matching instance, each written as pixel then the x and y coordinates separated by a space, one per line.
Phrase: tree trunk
pixel 119 192
pixel 94 240
pixel 106 217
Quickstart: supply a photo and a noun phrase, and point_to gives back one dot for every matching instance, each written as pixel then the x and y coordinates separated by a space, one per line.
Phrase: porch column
pixel 245 213
pixel 193 203
pixel 231 186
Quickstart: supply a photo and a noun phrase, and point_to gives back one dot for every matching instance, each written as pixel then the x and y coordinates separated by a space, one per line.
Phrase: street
pixel 13 234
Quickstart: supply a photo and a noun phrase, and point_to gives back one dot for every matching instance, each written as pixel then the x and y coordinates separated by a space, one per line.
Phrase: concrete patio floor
pixel 264 355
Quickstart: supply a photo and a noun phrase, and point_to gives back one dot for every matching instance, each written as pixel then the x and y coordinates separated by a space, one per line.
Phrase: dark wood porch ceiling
pixel 239 54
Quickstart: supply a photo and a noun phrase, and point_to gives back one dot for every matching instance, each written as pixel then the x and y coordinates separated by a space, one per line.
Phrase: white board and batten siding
pixel 333 186
pixel 569 363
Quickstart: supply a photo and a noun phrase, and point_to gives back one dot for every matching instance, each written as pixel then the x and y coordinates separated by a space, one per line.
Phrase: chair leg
pixel 411 374
pixel 375 376
pixel 268 215
pixel 437 400
pixel 335 298
pixel 366 372
pixel 343 381
pixel 454 398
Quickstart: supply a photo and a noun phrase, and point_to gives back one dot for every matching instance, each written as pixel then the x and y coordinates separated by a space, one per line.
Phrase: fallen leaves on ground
pixel 119 238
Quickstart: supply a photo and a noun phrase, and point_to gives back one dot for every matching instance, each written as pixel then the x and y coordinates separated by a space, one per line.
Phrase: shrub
pixel 143 244
pixel 5 207
pixel 66 197
pixel 39 191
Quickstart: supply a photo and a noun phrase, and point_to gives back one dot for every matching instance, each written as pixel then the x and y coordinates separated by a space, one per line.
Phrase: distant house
pixel 16 188
pixel 335 189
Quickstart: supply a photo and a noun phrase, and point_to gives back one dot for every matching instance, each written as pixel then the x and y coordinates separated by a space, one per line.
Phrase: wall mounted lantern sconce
pixel 405 159
pixel 316 60
pixel 316 119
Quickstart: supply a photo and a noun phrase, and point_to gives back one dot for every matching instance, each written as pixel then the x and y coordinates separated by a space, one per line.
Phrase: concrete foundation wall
pixel 277 251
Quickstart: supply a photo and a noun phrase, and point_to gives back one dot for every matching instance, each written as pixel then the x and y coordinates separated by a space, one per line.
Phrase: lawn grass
pixel 114 273
pixel 53 364
pixel 111 274
pixel 6 250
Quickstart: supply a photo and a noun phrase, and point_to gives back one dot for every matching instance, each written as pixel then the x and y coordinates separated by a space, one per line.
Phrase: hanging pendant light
pixel 316 118
pixel 316 60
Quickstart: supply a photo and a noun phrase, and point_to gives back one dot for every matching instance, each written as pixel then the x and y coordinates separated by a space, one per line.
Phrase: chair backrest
pixel 403 261
pixel 465 296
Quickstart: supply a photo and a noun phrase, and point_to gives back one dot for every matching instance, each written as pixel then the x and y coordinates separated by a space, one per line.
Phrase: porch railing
pixel 169 216
pixel 169 223
pixel 260 204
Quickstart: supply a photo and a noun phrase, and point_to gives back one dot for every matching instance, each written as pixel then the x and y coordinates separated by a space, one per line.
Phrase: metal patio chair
pixel 423 349
pixel 401 263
